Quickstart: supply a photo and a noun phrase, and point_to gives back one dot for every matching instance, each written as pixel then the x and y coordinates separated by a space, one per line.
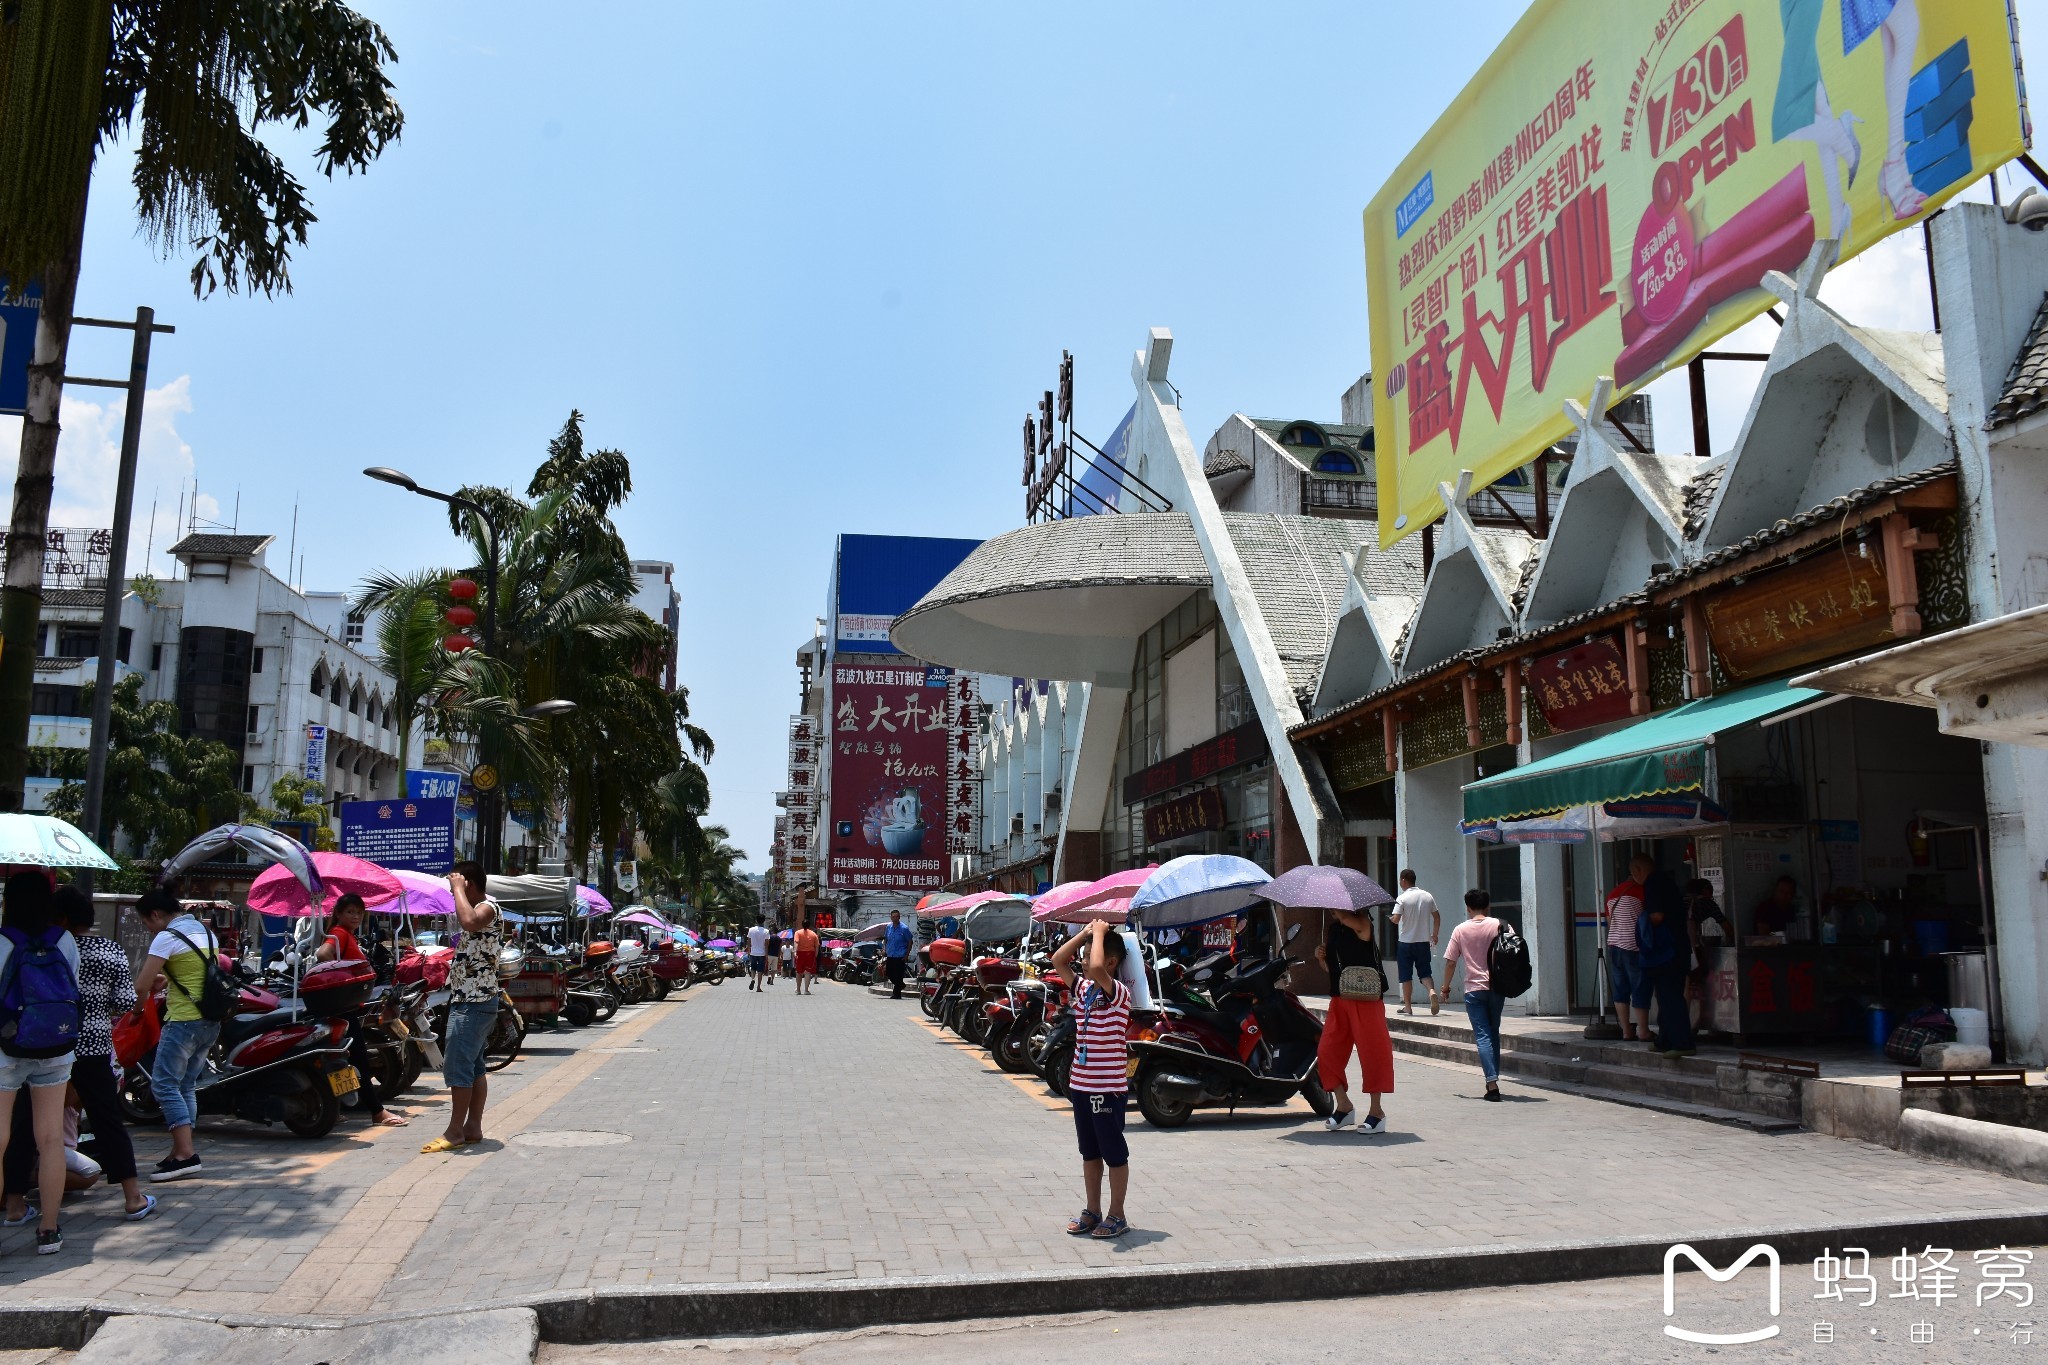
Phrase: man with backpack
pixel 182 953
pixel 1496 968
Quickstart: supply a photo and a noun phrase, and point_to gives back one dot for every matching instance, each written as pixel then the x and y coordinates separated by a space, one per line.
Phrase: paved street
pixel 732 1137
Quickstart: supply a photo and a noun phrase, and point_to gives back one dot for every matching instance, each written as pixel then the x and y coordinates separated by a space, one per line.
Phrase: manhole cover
pixel 571 1137
pixel 626 1049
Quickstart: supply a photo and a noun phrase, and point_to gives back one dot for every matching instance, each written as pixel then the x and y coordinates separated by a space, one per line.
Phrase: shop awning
pixel 1988 681
pixel 1660 756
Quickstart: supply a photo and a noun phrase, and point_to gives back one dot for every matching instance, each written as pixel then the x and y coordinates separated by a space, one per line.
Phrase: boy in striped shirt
pixel 1099 1086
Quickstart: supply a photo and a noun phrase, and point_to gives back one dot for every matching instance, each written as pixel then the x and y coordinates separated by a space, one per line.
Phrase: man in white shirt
pixel 757 957
pixel 1415 914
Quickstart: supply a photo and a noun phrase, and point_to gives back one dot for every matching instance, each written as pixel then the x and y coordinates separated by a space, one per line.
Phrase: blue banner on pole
pixel 401 833
pixel 424 785
pixel 19 314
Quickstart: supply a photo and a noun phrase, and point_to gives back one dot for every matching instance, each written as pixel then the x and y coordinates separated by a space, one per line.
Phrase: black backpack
pixel 218 993
pixel 1507 962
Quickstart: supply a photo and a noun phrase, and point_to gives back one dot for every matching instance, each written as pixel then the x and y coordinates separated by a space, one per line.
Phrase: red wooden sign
pixel 1581 686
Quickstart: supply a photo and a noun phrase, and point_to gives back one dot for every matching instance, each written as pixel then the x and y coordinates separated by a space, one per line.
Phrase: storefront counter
pixel 1791 988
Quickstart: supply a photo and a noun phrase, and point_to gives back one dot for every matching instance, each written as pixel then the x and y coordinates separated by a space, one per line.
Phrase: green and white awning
pixel 1659 756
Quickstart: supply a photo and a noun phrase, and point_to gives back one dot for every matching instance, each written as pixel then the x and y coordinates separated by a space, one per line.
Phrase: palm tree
pixel 409 622
pixel 198 80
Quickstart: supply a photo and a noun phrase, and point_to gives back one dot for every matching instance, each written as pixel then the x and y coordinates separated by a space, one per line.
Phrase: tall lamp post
pixel 489 812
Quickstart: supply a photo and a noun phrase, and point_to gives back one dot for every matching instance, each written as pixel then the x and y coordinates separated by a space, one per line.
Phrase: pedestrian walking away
pixel 896 946
pixel 182 950
pixel 771 960
pixel 472 1008
pixel 757 957
pixel 1472 943
pixel 106 990
pixel 1664 938
pixel 1357 1020
pixel 1099 1087
pixel 806 959
pixel 1418 926
pixel 1625 955
pixel 39 1022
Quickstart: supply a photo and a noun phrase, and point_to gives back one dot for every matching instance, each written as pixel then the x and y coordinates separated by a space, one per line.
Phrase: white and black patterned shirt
pixel 473 975
pixel 106 990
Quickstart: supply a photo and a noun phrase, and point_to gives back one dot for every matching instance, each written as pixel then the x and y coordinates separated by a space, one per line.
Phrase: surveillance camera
pixel 2029 211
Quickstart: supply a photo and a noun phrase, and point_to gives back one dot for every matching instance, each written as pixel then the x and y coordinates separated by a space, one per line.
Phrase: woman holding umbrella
pixel 1356 1021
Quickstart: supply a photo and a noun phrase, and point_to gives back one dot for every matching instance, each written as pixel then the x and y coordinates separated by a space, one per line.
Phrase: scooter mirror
pixel 1292 930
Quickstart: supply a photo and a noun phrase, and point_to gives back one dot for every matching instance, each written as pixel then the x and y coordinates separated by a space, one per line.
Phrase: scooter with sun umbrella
pixel 282 1055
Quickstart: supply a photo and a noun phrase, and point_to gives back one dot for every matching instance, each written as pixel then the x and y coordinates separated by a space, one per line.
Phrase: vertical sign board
pixel 19 314
pixel 963 782
pixel 315 768
pixel 1607 194
pixel 401 833
pixel 890 734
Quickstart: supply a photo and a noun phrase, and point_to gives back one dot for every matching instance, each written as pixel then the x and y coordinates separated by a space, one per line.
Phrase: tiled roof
pixel 2026 383
pixel 210 543
pixel 1699 496
pixel 73 597
pixel 1298 567
pixel 48 665
pixel 1812 516
pixel 1226 462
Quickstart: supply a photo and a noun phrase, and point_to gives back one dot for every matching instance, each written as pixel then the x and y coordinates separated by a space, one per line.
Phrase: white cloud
pixel 89 458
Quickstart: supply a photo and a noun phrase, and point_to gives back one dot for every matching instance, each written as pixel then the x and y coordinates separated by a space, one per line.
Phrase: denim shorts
pixel 469 1033
pixel 1414 960
pixel 1631 984
pixel 37 1073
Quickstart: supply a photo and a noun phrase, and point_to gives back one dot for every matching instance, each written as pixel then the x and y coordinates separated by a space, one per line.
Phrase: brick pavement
pixel 742 1137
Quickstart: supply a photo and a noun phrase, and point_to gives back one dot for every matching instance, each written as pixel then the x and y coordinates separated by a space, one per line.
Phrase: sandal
pixel 1110 1227
pixel 29 1214
pixel 388 1119
pixel 137 1215
pixel 443 1144
pixel 1083 1223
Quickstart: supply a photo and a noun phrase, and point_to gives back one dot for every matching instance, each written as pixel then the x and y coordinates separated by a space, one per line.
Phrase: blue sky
pixel 808 265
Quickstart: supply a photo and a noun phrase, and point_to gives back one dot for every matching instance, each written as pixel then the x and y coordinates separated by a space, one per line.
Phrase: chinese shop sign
pixel 418 835
pixel 1190 814
pixel 1246 744
pixel 1607 194
pixel 1831 604
pixel 890 734
pixel 1581 686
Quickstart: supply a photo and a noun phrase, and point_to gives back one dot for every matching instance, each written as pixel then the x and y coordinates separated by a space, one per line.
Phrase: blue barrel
pixel 1880 1027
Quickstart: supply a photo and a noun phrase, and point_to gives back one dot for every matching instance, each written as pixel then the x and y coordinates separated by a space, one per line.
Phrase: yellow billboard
pixel 1607 194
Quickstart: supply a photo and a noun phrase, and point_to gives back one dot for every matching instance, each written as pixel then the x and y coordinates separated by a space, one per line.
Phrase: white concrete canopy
pixel 1063 599
pixel 1989 681
pixel 1470 593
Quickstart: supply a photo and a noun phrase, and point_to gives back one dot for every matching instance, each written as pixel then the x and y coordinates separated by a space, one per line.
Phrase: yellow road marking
pixel 1029 1086
pixel 360 1254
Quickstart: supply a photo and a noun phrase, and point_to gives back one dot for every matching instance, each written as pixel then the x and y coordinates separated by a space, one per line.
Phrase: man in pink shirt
pixel 1472 944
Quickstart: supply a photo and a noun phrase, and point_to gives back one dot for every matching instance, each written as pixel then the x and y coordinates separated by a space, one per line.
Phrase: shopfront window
pixel 1500 876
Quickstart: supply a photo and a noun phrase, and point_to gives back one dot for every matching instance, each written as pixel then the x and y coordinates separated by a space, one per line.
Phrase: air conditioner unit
pixel 1017 823
pixel 1052 802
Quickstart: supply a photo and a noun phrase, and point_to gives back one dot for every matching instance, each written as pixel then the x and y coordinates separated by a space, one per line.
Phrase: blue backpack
pixel 39 1014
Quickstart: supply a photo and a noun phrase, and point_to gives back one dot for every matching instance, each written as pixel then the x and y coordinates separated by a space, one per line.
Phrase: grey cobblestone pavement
pixel 735 1137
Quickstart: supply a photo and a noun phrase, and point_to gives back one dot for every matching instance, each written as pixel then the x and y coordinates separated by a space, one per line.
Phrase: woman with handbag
pixel 1357 1019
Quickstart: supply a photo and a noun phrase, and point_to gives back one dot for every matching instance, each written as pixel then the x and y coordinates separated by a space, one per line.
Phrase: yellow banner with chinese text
pixel 1607 194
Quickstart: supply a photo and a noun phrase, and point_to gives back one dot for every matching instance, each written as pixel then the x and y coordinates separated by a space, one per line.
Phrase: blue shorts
pixel 1099 1125
pixel 469 1034
pixel 1630 983
pixel 757 964
pixel 1414 961
pixel 37 1073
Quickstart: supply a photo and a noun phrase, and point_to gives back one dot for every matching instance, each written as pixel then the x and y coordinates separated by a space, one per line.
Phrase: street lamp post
pixel 489 814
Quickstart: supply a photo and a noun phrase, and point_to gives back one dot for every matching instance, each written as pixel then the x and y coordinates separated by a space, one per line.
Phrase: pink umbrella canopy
pixel 277 890
pixel 1107 898
pixel 956 908
pixel 1324 888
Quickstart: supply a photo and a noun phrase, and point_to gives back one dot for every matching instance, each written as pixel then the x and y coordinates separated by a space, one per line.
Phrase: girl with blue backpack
pixel 39 1022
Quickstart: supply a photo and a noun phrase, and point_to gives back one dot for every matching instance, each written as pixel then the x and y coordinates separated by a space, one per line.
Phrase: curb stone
pixel 724 1310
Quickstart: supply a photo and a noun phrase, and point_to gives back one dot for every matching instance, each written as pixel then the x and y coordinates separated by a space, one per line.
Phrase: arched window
pixel 338 690
pixel 355 700
pixel 1303 434
pixel 1367 443
pixel 1336 462
pixel 319 680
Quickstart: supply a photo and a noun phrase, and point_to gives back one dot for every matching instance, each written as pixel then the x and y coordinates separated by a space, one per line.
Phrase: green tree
pixel 409 633
pixel 163 787
pixel 198 81
pixel 294 800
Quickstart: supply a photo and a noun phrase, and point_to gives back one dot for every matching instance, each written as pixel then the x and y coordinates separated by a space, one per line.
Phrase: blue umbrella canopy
pixel 1324 888
pixel 1195 888
pixel 260 840
pixel 46 841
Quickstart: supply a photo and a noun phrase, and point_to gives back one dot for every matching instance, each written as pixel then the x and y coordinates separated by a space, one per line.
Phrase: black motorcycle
pixel 1228 1036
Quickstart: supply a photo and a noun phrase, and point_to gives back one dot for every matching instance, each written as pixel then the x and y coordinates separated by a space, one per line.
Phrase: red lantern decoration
pixel 456 644
pixel 462 589
pixel 461 616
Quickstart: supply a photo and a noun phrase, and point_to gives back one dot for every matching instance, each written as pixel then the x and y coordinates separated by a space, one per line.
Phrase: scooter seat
pixel 239 1026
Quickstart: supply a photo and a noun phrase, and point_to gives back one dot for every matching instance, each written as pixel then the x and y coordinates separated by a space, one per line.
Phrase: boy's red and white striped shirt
pixel 1102 1043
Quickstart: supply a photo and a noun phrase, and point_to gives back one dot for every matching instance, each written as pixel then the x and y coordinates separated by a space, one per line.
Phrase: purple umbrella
pixel 1324 888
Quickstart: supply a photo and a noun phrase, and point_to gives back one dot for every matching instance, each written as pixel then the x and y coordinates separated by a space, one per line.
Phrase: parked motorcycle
pixel 508 1033
pixel 279 1059
pixel 1228 1036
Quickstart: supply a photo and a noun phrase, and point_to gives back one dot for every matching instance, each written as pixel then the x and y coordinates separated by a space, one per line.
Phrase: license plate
pixel 344 1081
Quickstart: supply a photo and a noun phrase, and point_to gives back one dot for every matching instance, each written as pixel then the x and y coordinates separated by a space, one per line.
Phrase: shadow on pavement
pixel 1347 1137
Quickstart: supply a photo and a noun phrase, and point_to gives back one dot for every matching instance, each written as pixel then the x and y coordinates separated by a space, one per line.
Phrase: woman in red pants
pixel 1357 1022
